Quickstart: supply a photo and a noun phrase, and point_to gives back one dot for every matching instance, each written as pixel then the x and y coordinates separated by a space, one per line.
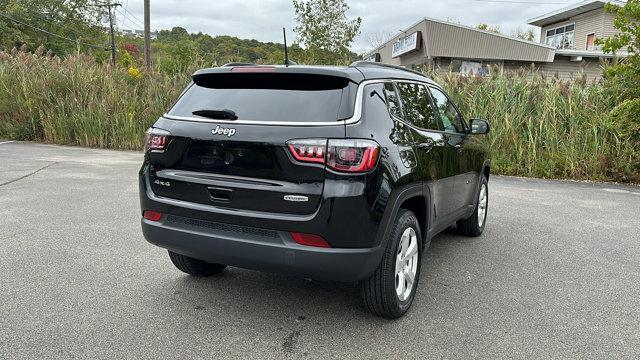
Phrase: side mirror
pixel 479 126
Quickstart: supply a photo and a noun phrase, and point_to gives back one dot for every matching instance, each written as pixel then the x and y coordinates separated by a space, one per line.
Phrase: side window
pixel 450 117
pixel 417 106
pixel 393 103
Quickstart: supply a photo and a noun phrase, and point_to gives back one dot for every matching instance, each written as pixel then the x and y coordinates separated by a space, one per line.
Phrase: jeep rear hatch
pixel 228 134
pixel 267 97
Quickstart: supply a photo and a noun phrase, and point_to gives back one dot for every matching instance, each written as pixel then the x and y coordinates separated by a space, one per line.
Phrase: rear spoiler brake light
pixel 254 69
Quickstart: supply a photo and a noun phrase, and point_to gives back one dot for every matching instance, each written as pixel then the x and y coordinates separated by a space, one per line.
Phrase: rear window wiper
pixel 224 114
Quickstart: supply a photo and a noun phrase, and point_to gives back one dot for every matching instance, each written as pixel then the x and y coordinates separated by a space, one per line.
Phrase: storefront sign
pixel 406 44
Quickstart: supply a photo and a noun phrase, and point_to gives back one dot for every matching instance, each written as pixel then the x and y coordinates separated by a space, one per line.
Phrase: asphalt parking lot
pixel 555 275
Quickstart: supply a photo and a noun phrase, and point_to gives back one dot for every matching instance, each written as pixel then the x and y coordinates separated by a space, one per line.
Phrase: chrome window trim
pixel 357 112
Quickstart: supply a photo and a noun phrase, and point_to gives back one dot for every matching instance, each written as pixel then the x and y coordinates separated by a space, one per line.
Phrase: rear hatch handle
pixel 220 194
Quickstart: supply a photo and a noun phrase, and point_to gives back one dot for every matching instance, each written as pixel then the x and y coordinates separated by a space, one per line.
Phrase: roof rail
pixel 389 66
pixel 238 64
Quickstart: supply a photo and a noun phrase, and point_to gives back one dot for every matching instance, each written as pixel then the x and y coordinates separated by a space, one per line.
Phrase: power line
pixel 41 16
pixel 136 18
pixel 126 6
pixel 129 18
pixel 132 17
pixel 75 41
pixel 130 24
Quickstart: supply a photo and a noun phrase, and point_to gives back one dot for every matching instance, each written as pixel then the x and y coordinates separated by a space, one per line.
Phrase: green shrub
pixel 625 119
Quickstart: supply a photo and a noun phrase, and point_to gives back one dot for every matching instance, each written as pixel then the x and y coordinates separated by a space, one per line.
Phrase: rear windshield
pixel 266 97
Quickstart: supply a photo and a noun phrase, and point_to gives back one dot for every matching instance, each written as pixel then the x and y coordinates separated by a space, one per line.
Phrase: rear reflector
pixel 309 240
pixel 152 215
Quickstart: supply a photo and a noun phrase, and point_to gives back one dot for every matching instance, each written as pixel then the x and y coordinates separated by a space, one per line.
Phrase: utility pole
pixel 113 40
pixel 147 34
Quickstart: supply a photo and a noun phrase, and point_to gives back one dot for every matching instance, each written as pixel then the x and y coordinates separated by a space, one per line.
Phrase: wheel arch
pixel 418 206
pixel 486 168
pixel 410 197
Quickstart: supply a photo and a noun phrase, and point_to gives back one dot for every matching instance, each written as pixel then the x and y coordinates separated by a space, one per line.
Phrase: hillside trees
pixel 324 30
pixel 31 23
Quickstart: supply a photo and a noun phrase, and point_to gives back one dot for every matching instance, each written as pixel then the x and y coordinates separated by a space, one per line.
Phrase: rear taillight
pixel 352 155
pixel 308 150
pixel 344 155
pixel 156 139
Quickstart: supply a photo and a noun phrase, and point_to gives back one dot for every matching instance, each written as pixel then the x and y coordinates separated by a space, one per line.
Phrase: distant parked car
pixel 329 173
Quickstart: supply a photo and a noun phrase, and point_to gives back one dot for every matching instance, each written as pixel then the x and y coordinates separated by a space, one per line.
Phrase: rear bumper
pixel 259 249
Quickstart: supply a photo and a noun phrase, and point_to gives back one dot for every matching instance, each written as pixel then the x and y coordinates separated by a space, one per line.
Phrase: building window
pixel 469 67
pixel 562 37
pixel 591 41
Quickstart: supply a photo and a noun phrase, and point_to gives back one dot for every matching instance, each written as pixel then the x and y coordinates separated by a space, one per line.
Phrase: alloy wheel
pixel 406 263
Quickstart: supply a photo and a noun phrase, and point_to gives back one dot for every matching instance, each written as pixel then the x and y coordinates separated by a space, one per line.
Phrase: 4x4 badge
pixel 229 132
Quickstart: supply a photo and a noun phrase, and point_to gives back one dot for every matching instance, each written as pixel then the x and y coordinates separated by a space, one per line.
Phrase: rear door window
pixel 266 98
pixel 416 105
pixel 451 119
pixel 393 103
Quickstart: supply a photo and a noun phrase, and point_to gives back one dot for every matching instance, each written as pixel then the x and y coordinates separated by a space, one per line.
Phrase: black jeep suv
pixel 329 173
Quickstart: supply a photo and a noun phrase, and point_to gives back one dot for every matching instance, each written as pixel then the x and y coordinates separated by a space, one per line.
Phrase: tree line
pixel 64 27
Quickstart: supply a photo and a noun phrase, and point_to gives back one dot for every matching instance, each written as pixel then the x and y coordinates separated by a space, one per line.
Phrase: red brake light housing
pixel 156 139
pixel 352 155
pixel 343 155
pixel 308 150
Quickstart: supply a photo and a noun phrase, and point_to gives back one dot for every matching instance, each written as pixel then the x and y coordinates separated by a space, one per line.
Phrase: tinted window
pixel 451 119
pixel 417 106
pixel 264 99
pixel 392 100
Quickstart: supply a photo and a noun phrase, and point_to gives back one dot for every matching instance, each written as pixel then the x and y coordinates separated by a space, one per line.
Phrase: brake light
pixel 254 69
pixel 156 139
pixel 308 150
pixel 352 155
pixel 310 240
pixel 152 215
pixel 344 155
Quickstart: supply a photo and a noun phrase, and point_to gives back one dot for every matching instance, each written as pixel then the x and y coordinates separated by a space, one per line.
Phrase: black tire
pixel 195 267
pixel 471 226
pixel 379 290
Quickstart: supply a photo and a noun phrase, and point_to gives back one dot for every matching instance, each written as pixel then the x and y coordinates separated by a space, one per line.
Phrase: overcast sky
pixel 263 19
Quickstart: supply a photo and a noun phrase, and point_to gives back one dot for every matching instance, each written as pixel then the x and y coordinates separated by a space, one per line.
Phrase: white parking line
pixel 5 142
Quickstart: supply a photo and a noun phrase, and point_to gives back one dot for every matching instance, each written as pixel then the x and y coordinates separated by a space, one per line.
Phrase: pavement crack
pixel 29 174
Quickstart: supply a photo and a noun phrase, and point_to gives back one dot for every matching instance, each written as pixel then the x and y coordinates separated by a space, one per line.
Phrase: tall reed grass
pixel 541 126
pixel 76 101
pixel 546 127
